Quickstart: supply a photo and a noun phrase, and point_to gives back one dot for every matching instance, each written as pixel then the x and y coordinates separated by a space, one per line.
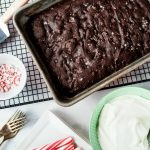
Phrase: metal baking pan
pixel 21 18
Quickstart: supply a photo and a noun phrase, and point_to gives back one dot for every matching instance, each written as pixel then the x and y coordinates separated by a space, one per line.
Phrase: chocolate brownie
pixel 84 41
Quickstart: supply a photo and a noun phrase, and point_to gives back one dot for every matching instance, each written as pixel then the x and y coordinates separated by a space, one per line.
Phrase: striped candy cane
pixel 63 144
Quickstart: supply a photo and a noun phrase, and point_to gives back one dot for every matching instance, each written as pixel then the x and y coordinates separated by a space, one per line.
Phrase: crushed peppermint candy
pixel 9 77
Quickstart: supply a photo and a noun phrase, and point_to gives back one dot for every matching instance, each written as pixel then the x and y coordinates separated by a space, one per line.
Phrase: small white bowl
pixel 12 60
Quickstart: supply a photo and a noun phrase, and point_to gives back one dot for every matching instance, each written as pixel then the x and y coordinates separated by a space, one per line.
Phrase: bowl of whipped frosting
pixel 121 120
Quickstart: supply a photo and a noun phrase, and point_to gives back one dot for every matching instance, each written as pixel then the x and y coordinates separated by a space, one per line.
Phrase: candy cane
pixel 63 144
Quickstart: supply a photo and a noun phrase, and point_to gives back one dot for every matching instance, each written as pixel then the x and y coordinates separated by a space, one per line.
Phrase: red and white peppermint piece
pixel 16 80
pixel 9 77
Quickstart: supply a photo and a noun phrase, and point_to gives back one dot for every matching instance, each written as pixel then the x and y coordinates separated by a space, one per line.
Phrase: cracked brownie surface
pixel 84 41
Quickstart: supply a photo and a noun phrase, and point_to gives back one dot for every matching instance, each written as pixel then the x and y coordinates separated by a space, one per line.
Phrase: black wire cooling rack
pixel 36 89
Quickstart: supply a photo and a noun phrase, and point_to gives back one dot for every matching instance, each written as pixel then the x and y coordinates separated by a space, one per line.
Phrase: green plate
pixel 95 117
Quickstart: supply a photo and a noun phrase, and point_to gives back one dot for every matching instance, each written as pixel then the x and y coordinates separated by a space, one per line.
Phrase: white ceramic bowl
pixel 12 60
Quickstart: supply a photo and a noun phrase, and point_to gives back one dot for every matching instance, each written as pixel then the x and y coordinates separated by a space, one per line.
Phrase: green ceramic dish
pixel 96 114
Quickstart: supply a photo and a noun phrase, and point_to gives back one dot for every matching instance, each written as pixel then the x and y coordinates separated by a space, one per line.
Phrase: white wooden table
pixel 78 116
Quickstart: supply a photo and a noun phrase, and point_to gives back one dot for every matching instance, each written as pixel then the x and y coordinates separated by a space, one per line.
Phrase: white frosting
pixel 124 124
